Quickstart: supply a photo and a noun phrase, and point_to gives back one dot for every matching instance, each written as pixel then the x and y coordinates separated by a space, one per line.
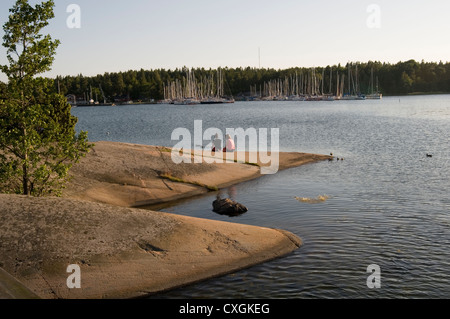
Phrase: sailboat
pixel 353 94
pixel 219 97
pixel 374 95
pixel 190 97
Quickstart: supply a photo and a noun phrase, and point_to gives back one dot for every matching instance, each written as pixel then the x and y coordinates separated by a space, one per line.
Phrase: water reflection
pixel 232 192
pixel 229 206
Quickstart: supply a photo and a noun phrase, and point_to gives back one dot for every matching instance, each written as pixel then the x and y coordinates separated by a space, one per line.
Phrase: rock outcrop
pixel 228 207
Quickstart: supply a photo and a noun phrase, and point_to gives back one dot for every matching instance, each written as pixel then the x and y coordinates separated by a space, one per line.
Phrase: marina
pixel 190 91
pixel 308 86
pixel 311 87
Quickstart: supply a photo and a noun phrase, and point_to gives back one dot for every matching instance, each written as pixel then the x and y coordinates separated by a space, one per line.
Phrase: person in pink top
pixel 230 146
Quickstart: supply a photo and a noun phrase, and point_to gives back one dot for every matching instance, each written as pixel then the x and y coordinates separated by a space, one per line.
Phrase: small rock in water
pixel 228 207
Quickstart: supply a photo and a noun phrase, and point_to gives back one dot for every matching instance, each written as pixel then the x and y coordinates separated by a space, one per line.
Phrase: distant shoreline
pixel 244 100
pixel 420 93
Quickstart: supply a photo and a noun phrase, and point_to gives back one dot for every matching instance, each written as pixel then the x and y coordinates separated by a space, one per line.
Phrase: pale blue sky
pixel 118 35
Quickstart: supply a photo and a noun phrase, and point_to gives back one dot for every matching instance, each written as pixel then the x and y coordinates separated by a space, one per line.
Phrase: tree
pixel 38 142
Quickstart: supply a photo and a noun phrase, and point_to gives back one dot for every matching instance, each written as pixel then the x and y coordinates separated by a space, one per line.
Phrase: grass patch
pixel 248 163
pixel 253 164
pixel 165 149
pixel 180 180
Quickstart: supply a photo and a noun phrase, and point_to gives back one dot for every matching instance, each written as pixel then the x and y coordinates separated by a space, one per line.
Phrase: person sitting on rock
pixel 217 143
pixel 230 146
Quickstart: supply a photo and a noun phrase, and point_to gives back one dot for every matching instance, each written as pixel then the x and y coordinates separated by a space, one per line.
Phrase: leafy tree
pixel 38 142
pixel 407 82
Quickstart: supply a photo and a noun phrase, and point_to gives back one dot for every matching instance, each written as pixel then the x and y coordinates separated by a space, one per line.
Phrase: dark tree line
pixel 393 79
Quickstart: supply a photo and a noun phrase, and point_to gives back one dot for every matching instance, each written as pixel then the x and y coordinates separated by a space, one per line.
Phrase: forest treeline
pixel 393 79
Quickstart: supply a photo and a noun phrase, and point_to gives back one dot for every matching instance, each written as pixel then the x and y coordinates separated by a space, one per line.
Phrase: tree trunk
pixel 26 190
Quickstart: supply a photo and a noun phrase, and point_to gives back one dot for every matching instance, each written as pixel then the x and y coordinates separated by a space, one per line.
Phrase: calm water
pixel 388 204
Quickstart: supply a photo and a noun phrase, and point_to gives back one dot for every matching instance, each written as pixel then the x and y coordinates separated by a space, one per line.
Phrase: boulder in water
pixel 228 207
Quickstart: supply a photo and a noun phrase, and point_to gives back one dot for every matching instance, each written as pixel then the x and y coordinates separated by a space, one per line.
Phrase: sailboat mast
pixel 337 84
pixel 349 84
pixel 331 77
pixel 323 78
pixel 371 77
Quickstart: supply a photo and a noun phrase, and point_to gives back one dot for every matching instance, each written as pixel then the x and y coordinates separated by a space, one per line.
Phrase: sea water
pixel 387 203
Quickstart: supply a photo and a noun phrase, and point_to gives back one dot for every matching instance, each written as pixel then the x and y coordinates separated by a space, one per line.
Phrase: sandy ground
pixel 123 251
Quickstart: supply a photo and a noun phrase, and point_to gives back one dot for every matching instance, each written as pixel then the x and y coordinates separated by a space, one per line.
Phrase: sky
pixel 119 35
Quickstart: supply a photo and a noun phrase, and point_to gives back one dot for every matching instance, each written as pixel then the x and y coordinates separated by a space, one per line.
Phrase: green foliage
pixel 28 52
pixel 38 142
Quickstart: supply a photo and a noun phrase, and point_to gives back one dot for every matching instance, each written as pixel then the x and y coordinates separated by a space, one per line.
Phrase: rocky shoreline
pixel 123 251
